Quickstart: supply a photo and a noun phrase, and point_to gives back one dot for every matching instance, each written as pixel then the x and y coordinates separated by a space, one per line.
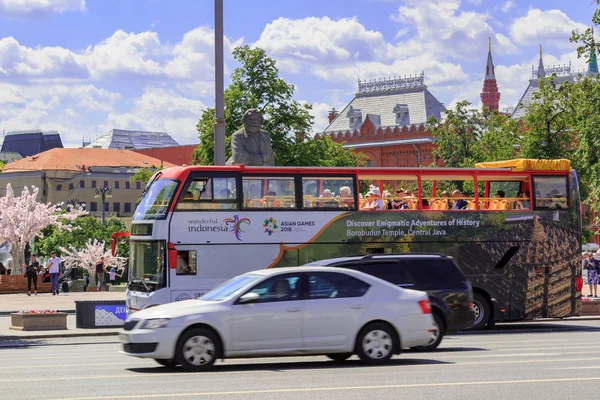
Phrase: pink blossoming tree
pixel 88 256
pixel 23 217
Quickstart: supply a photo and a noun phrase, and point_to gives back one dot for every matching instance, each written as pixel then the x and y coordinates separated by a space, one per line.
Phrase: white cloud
pixel 46 62
pixel 39 8
pixel 319 112
pixel 445 30
pixel 507 6
pixel 161 110
pixel 541 27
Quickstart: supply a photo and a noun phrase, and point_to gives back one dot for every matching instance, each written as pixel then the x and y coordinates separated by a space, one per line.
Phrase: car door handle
pixel 358 307
pixel 293 309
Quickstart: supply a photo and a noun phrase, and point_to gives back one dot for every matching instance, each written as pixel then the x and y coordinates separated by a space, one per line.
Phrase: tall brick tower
pixel 490 96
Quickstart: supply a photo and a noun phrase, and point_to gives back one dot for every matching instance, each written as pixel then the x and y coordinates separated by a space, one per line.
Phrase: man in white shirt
pixel 54 269
pixel 374 199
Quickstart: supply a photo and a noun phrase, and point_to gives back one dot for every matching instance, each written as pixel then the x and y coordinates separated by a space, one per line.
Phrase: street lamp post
pixel 219 150
pixel 103 193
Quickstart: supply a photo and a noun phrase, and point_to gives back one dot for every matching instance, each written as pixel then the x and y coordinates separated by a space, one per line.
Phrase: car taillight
pixel 425 306
pixel 470 305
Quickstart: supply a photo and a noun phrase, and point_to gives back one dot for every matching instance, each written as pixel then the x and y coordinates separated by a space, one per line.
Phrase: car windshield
pixel 156 200
pixel 230 288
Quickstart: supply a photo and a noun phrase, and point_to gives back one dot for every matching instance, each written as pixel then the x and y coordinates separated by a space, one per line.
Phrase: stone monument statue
pixel 251 145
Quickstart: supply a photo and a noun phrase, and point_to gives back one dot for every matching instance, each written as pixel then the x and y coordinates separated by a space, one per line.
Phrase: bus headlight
pixel 154 323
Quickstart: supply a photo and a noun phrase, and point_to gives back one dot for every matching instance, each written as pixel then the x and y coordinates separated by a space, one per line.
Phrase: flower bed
pixel 38 320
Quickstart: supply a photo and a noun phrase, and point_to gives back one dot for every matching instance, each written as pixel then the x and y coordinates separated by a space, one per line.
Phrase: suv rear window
pixel 433 270
pixel 388 271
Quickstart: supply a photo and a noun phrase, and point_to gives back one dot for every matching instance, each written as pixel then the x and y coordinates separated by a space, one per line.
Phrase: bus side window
pixel 551 192
pixel 203 193
pixel 186 262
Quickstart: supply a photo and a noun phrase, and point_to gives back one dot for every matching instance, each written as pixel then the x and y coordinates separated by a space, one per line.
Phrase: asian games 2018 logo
pixel 270 225
pixel 235 225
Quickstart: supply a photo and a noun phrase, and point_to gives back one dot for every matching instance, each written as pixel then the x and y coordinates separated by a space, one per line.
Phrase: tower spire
pixel 593 62
pixel 541 71
pixel 490 97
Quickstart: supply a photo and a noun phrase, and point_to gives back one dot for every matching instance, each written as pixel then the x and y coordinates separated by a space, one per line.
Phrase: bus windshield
pixel 147 269
pixel 156 200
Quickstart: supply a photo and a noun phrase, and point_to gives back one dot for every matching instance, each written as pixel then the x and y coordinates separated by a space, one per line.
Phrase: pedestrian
pixel 100 270
pixel 592 267
pixel 112 275
pixel 2 269
pixel 54 269
pixel 31 272
pixel 86 282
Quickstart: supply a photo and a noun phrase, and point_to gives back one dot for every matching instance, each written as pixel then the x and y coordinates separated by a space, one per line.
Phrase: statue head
pixel 253 120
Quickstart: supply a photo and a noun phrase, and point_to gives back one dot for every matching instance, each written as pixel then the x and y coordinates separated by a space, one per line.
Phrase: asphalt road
pixel 558 360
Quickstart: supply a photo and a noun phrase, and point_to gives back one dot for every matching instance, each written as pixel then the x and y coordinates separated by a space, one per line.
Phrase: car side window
pixel 391 272
pixel 278 288
pixel 434 271
pixel 329 285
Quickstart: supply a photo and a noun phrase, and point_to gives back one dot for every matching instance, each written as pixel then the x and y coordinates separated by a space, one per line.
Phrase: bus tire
pixel 197 349
pixel 482 308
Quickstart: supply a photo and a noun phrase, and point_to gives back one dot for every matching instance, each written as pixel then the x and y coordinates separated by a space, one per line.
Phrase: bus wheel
pixel 197 349
pixel 481 306
pixel 166 363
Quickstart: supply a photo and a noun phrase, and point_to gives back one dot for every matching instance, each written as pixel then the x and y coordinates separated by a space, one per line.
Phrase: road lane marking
pixel 341 388
pixel 281 367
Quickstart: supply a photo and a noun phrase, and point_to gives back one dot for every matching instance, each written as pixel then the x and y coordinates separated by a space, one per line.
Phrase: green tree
pixel 89 228
pixel 468 136
pixel 548 123
pixel 324 152
pixel 256 84
pixel 144 174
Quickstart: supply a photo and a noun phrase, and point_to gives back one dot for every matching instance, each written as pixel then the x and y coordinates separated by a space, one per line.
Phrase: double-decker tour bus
pixel 514 227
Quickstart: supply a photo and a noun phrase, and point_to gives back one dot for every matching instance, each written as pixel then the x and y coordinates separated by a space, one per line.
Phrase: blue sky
pixel 83 67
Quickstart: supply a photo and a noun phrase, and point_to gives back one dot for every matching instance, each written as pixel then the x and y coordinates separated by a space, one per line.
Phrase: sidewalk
pixel 45 301
pixel 64 302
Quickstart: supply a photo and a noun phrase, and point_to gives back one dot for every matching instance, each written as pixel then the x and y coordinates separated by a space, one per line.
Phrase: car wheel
pixel 166 363
pixel 339 357
pixel 436 336
pixel 375 344
pixel 482 312
pixel 197 349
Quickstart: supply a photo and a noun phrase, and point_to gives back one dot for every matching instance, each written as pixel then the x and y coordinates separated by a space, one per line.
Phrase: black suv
pixel 449 290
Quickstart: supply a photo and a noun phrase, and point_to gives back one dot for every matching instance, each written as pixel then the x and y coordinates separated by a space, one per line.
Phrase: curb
pixel 10 312
pixel 56 335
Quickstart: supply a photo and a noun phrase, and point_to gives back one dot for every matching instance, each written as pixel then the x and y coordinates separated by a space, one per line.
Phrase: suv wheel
pixel 482 311
pixel 436 336
pixel 197 349
pixel 375 344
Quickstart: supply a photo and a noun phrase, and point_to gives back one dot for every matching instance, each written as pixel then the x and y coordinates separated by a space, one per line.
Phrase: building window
pixel 105 184
pixel 117 207
pixel 138 185
pixel 82 184
pixel 93 184
pixel 93 206
pixel 127 185
pixel 59 187
pixel 127 207
pixel 116 184
pixel 70 186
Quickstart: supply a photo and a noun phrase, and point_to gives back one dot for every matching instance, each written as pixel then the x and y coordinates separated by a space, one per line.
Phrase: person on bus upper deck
pixel 522 202
pixel 459 204
pixel 251 145
pixel 329 200
pixel 500 194
pixel 225 194
pixel 424 201
pixel 269 200
pixel 345 198
pixel 374 198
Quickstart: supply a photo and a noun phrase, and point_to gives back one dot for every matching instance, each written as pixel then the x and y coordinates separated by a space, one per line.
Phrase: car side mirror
pixel 249 298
